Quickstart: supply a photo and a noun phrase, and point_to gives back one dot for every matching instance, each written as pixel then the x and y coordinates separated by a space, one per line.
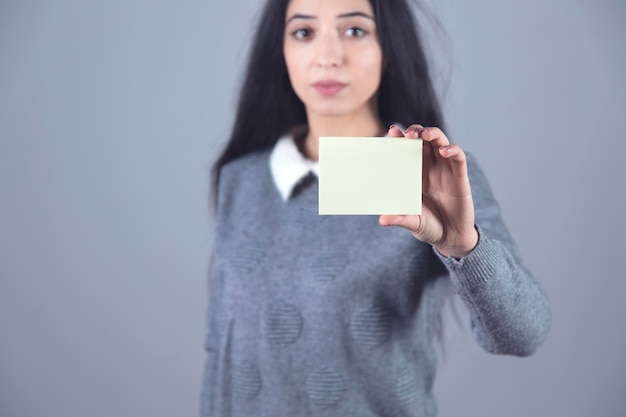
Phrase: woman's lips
pixel 329 87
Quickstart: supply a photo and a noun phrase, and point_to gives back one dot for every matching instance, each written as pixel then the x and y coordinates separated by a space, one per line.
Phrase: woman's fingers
pixel 413 131
pixel 430 159
pixel 436 144
pixel 433 139
pixel 395 132
pixel 434 136
pixel 457 159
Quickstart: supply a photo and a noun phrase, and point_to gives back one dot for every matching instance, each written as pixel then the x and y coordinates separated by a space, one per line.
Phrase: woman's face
pixel 333 55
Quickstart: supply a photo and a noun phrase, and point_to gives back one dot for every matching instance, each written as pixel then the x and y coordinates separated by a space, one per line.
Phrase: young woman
pixel 336 315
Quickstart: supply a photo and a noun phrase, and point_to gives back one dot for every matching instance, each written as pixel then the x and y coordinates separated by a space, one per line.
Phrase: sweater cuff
pixel 481 265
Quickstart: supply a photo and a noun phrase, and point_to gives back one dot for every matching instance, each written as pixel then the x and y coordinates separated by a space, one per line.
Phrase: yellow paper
pixel 363 175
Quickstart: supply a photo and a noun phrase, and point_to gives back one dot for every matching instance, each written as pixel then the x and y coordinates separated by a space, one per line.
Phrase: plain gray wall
pixel 112 111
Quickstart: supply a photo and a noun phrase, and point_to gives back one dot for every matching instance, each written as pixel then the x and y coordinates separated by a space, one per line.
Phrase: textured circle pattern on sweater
pixel 250 255
pixel 407 390
pixel 325 387
pixel 372 326
pixel 283 323
pixel 327 266
pixel 246 380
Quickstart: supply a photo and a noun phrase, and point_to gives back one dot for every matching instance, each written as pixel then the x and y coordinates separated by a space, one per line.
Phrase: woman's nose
pixel 329 50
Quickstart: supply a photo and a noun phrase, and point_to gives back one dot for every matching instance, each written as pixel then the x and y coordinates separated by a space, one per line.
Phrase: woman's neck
pixel 354 125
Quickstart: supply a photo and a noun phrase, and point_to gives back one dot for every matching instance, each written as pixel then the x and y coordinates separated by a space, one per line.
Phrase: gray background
pixel 112 111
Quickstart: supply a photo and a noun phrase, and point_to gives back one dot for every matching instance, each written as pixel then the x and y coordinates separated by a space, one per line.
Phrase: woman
pixel 336 315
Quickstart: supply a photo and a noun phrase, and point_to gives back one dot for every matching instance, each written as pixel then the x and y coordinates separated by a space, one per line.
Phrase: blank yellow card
pixel 370 175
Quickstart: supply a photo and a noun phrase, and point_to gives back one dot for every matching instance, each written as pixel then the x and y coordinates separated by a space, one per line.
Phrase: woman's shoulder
pixel 249 164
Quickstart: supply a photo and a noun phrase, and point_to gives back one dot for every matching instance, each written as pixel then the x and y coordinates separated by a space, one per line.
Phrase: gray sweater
pixel 337 316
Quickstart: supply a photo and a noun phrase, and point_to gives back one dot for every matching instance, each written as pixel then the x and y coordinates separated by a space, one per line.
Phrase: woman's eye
pixel 301 33
pixel 355 32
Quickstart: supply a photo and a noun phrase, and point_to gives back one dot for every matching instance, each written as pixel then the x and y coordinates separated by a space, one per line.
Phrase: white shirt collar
pixel 289 166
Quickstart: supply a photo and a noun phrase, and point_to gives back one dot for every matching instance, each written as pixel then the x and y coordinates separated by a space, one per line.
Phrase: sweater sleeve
pixel 509 311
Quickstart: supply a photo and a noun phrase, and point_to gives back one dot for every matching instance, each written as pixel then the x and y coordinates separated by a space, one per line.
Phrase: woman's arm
pixel 509 310
pixel 461 220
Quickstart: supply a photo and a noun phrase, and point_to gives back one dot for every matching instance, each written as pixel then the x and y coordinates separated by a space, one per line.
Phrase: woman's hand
pixel 447 219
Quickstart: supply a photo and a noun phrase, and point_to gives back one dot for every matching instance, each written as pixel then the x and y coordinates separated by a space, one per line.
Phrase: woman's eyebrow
pixel 300 16
pixel 356 14
pixel 340 16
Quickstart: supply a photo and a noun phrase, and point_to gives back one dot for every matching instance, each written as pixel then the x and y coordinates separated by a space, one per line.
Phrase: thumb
pixel 392 220
pixel 411 223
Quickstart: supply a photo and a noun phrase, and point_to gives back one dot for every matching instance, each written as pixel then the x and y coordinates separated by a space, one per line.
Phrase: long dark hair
pixel 268 106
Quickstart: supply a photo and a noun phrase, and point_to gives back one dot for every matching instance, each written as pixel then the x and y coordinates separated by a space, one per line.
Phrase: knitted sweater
pixel 335 315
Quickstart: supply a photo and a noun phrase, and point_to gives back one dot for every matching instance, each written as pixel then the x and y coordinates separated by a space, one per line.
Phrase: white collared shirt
pixel 289 166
